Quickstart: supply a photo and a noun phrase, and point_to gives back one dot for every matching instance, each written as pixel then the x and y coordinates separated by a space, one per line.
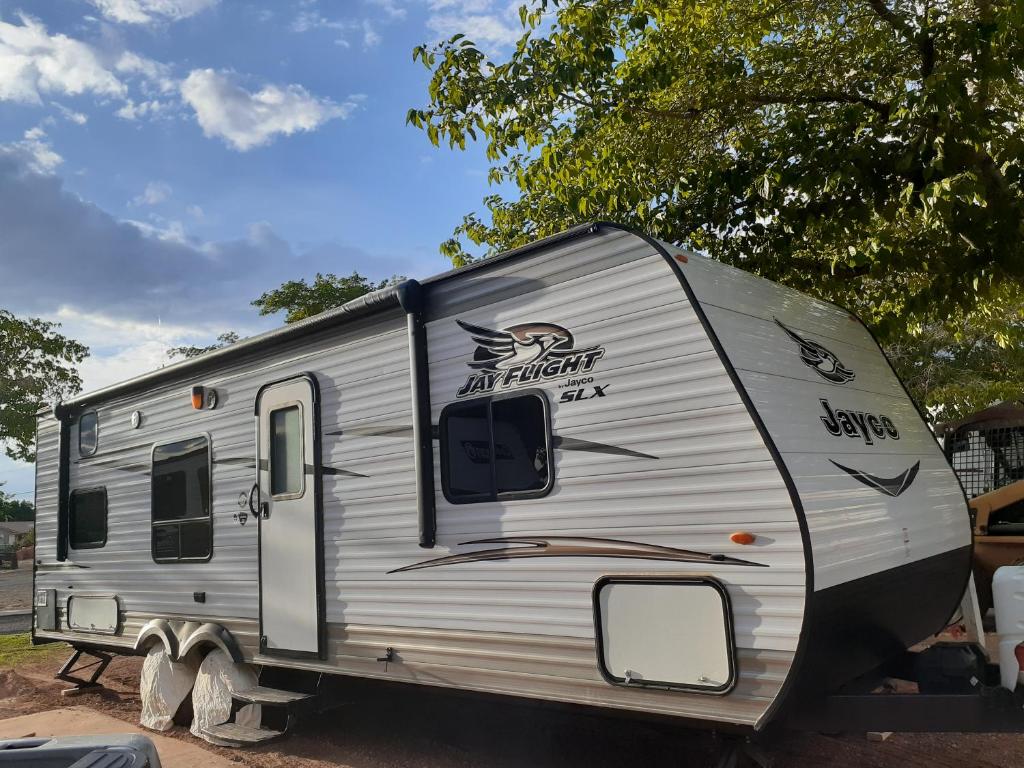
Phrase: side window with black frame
pixel 181 501
pixel 87 518
pixel 88 433
pixel 496 448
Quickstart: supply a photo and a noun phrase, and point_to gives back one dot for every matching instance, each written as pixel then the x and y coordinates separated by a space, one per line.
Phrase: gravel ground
pixel 396 726
pixel 16 588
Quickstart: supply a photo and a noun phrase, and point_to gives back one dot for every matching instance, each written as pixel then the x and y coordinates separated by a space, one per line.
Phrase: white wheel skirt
pixel 217 679
pixel 164 685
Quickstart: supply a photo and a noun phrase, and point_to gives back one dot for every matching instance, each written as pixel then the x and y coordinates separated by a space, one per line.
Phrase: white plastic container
pixel 1008 594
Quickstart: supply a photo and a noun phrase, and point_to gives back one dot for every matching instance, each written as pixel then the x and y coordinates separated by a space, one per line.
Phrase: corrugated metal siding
pixel 521 626
pixel 855 530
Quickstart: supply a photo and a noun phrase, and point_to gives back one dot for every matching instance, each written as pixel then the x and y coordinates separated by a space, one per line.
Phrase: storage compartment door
pixel 665 633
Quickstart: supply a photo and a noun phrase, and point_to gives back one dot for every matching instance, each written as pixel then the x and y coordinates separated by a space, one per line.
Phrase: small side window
pixel 181 501
pixel 88 433
pixel 496 448
pixel 87 524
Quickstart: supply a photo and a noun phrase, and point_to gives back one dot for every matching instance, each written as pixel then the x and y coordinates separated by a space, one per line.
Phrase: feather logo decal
pixel 523 354
pixel 818 358
pixel 890 486
pixel 573 546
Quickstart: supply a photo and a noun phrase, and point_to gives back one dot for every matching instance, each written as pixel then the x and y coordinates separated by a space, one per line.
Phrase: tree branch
pixel 924 42
pixel 769 99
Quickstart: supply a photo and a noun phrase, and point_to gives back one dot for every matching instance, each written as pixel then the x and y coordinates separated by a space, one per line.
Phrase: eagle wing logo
pixel 818 358
pixel 517 345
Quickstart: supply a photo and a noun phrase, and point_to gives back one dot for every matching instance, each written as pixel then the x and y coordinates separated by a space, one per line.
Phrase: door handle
pixel 254 493
pixel 265 509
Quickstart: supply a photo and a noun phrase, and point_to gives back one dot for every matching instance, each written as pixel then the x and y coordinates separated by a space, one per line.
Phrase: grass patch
pixel 18 649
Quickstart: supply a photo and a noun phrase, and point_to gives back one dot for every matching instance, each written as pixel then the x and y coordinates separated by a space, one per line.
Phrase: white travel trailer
pixel 595 470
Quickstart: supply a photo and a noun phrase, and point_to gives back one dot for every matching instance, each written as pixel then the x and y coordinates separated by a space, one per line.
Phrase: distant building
pixel 10 530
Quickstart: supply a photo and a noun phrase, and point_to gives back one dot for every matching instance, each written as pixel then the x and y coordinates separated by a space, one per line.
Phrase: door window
pixel 287 459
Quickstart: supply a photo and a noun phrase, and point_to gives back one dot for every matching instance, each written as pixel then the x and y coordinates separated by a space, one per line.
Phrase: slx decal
pixel 575 395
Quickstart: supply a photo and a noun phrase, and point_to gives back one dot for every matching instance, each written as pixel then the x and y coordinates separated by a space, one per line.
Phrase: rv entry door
pixel 289 512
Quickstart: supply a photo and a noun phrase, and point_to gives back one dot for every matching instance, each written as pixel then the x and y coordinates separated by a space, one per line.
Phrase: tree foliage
pixel 865 151
pixel 37 366
pixel 12 508
pixel 954 369
pixel 299 299
pixel 189 351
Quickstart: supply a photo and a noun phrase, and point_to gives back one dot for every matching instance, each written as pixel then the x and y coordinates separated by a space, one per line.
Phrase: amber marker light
pixel 198 397
pixel 742 537
pixel 682 257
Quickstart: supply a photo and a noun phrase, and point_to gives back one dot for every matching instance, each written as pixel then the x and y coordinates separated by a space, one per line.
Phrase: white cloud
pixel 78 118
pixel 491 24
pixel 33 152
pixel 149 11
pixel 121 348
pixel 132 110
pixel 309 18
pixel 155 193
pixel 370 35
pixel 391 9
pixel 245 119
pixel 154 74
pixel 34 62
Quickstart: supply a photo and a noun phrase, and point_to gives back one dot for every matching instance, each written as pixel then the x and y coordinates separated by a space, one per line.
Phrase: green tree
pixel 189 351
pixel 955 369
pixel 852 148
pixel 865 151
pixel 299 299
pixel 12 508
pixel 37 366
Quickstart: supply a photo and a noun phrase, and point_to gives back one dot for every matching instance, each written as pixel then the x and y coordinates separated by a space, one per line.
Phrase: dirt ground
pixel 394 726
pixel 16 588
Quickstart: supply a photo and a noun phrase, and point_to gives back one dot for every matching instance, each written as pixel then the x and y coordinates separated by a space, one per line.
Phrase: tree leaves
pixel 37 367
pixel 299 299
pixel 865 152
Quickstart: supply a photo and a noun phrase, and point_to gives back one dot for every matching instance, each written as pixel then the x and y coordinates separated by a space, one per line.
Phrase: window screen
pixel 87 523
pixel 182 525
pixel 88 433
pixel 286 451
pixel 495 448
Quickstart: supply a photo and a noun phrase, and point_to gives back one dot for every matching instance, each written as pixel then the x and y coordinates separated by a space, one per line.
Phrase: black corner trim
pixel 730 634
pixel 63 486
pixel 412 298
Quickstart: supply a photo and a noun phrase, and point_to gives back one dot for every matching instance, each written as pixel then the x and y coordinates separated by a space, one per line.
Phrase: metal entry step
pixel 235 735
pixel 262 694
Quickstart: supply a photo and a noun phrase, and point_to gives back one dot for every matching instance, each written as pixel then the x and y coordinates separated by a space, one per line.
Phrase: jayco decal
pixel 820 360
pixel 524 354
pixel 868 426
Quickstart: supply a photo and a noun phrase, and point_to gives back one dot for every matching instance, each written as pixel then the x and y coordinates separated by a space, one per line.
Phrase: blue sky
pixel 163 162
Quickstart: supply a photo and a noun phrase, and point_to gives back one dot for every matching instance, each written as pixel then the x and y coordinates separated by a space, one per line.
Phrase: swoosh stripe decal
pixel 574 546
pixel 890 486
